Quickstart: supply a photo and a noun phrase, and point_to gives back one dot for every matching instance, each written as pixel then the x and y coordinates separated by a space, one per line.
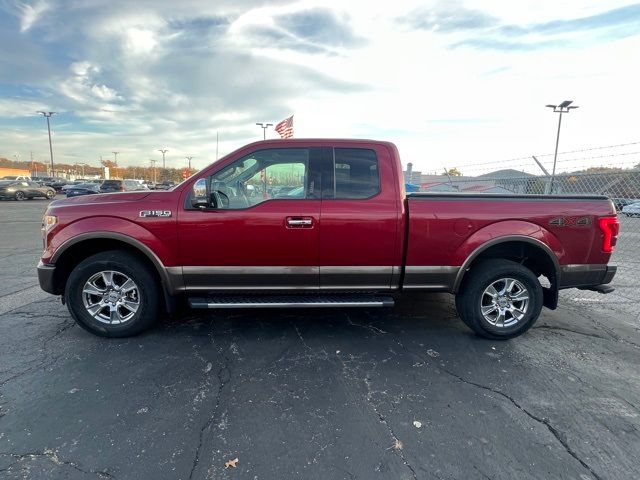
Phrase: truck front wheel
pixel 499 299
pixel 112 294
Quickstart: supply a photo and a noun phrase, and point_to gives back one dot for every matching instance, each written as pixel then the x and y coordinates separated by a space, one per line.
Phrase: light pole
pixel 563 107
pixel 189 158
pixel 264 127
pixel 163 151
pixel 47 115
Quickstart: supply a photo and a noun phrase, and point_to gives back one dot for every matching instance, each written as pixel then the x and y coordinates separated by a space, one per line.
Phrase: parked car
pixel 71 184
pixel 108 186
pixel 43 180
pixel 166 185
pixel 354 239
pixel 54 182
pixel 58 183
pixel 632 210
pixel 149 184
pixel 22 190
pixel 620 203
pixel 83 189
pixel 24 178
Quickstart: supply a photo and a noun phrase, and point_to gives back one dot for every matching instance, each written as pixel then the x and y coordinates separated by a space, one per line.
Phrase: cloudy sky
pixel 453 83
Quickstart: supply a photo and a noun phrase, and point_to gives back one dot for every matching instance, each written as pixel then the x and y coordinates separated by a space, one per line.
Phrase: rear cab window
pixel 355 174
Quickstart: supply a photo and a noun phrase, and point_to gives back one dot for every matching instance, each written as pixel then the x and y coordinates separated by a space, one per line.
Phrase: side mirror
pixel 199 197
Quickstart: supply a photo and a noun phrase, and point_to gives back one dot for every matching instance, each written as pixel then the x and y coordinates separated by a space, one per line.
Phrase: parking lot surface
pixel 406 393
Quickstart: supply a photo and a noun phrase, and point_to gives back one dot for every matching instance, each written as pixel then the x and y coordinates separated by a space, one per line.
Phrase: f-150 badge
pixel 155 213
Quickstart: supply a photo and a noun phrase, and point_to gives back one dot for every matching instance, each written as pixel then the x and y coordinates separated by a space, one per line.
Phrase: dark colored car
pixel 83 189
pixel 22 190
pixel 43 180
pixel 109 186
pixel 166 185
pixel 53 182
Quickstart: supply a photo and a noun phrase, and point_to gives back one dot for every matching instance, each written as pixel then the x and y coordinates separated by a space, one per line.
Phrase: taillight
pixel 609 227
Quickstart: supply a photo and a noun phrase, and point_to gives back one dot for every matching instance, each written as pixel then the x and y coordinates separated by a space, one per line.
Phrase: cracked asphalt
pixel 406 393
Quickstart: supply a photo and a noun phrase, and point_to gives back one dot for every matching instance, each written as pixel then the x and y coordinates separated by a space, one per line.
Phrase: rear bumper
pixel 586 275
pixel 46 273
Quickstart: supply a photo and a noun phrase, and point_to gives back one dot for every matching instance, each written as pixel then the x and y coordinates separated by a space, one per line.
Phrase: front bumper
pixel 586 275
pixel 46 273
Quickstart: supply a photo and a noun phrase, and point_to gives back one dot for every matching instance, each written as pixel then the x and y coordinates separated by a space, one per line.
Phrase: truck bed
pixel 455 226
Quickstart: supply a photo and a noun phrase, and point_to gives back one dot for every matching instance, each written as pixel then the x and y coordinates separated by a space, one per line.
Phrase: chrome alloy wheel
pixel 111 297
pixel 505 302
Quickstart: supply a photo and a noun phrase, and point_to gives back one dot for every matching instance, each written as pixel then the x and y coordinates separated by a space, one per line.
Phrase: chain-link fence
pixel 622 186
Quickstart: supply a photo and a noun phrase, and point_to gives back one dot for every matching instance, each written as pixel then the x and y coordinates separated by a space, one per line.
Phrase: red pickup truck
pixel 320 223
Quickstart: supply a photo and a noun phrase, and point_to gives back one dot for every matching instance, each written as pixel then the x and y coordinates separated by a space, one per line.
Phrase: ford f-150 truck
pixel 319 223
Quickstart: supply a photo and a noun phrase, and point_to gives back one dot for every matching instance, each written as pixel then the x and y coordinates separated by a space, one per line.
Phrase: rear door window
pixel 355 174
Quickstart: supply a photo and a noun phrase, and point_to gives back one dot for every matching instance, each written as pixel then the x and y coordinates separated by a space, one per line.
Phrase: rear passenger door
pixel 359 220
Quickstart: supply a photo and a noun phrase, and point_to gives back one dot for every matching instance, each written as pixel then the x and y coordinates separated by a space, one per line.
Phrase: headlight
pixel 11 189
pixel 48 222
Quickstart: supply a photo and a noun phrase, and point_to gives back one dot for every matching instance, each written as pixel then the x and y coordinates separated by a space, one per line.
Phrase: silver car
pixel 632 210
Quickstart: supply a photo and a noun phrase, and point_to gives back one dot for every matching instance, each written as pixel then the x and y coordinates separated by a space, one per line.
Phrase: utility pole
pixel 563 107
pixel 217 142
pixel 47 115
pixel 264 127
pixel 189 158
pixel 34 167
pixel 115 161
pixel 153 167
pixel 163 151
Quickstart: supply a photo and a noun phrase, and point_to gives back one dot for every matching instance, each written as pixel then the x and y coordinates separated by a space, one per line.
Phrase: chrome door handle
pixel 299 222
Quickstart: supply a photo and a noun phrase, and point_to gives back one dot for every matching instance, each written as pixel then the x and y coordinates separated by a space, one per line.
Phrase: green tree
pixel 454 172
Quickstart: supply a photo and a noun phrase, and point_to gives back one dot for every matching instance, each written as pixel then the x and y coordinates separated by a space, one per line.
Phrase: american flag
pixel 285 128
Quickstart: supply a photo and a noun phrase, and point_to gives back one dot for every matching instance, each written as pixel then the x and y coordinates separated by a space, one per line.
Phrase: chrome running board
pixel 291 301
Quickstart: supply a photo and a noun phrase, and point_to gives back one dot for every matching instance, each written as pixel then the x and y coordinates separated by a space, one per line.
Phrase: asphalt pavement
pixel 405 393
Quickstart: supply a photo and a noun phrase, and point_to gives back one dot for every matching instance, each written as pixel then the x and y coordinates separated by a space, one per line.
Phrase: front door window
pixel 280 174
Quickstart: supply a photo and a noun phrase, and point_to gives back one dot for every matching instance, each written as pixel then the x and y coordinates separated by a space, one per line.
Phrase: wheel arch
pixel 82 246
pixel 528 251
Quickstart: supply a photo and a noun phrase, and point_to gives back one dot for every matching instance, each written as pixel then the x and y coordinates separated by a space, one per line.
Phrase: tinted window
pixel 111 183
pixel 356 173
pixel 264 175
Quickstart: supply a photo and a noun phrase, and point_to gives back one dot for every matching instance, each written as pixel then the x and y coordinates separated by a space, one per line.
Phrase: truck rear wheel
pixel 499 299
pixel 112 294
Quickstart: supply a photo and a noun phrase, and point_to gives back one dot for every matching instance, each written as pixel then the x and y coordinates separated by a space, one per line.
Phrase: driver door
pixel 261 230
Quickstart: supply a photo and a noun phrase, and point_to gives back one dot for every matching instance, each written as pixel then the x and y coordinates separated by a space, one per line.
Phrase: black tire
pixel 50 194
pixel 472 296
pixel 125 265
pixel 19 196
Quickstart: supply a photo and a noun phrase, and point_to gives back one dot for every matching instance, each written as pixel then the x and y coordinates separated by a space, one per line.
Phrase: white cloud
pixel 452 83
pixel 31 13
pixel 140 41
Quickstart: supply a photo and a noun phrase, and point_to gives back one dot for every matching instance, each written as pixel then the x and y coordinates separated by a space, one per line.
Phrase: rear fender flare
pixel 502 232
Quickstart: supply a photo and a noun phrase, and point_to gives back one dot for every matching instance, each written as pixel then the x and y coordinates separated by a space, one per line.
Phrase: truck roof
pixel 318 141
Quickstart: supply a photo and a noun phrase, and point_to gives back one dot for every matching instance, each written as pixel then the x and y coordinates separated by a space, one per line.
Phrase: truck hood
pixel 101 198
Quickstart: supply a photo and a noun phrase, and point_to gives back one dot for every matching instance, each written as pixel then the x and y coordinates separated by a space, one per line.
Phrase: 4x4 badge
pixel 155 213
